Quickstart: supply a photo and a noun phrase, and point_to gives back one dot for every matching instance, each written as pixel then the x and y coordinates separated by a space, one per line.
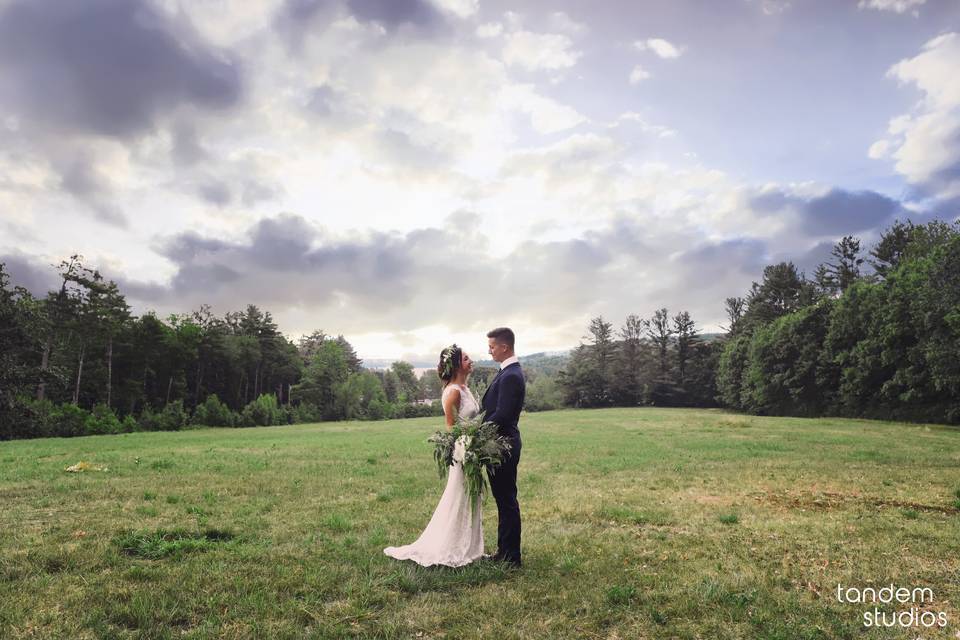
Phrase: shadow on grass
pixel 409 577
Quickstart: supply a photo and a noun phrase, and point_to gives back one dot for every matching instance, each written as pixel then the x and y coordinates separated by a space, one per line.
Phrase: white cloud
pixel 660 47
pixel 489 30
pixel 546 115
pixel 897 6
pixel 637 120
pixel 537 51
pixel 878 149
pixel 459 8
pixel 560 21
pixel 774 7
pixel 925 144
pixel 638 74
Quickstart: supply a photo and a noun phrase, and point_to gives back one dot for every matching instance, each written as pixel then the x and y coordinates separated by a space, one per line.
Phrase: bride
pixel 454 535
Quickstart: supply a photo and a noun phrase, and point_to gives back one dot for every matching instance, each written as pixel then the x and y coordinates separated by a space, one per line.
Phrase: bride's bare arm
pixel 451 406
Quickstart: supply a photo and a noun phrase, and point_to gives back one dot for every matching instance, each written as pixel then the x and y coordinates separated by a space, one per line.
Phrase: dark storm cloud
pixel 189 246
pixel 187 149
pixel 808 261
pixel 837 212
pixel 296 18
pixel 109 67
pixel 81 178
pixel 421 275
pixel 193 278
pixel 841 211
pixel 24 271
pixel 773 200
pixel 215 192
pixel 223 192
pixel 744 254
pixel 395 13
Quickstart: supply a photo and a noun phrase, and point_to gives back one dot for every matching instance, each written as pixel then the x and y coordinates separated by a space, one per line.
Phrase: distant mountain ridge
pixel 534 359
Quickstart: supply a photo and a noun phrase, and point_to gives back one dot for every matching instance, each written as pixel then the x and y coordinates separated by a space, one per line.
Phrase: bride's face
pixel 466 364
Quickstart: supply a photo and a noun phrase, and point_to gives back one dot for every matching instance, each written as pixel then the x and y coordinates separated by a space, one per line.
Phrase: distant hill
pixel 385 363
pixel 547 362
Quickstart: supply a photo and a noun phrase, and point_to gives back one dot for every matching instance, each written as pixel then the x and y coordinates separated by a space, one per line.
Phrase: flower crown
pixel 446 359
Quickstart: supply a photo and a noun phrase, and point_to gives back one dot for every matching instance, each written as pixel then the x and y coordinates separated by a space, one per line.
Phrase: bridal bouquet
pixel 474 444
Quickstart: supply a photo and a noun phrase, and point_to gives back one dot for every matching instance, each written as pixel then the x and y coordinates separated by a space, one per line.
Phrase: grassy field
pixel 638 523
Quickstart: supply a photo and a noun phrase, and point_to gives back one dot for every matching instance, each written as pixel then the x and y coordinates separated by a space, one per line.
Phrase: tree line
pixel 874 335
pixel 76 361
pixel 880 344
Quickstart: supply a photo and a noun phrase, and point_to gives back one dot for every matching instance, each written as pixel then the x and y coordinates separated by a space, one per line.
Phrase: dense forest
pixel 875 335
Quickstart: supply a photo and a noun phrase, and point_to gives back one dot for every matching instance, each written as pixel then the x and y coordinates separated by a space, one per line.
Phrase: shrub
pixel 148 420
pixel 380 410
pixel 69 420
pixel 306 412
pixel 102 420
pixel 129 424
pixel 213 413
pixel 28 418
pixel 418 410
pixel 543 394
pixel 263 412
pixel 173 417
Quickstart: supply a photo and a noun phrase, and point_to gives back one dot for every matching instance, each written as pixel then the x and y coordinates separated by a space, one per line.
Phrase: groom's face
pixel 497 350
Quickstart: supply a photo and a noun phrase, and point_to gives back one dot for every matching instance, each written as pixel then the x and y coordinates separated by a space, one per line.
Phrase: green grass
pixel 638 523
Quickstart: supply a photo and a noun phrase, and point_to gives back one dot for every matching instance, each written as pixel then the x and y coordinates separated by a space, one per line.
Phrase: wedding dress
pixel 454 535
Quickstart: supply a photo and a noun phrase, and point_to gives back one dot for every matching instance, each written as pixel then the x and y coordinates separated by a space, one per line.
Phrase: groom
pixel 502 403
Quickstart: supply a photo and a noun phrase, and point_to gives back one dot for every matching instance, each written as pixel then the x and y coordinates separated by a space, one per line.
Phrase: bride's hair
pixel 449 364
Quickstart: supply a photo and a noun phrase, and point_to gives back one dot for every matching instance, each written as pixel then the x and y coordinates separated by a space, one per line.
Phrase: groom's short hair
pixel 502 335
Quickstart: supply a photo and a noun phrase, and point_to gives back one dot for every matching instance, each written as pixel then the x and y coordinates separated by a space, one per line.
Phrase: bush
pixel 69 420
pixel 129 424
pixel 102 420
pixel 213 413
pixel 173 417
pixel 380 410
pixel 543 394
pixel 263 412
pixel 306 412
pixel 148 420
pixel 418 410
pixel 28 418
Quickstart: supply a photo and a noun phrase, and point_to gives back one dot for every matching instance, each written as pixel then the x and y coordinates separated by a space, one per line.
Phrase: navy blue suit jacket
pixel 503 400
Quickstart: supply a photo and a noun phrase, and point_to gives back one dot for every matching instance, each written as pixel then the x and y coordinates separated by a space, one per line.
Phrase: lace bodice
pixel 469 406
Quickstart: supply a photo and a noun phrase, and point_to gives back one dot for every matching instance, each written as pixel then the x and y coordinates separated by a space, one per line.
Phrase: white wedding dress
pixel 454 535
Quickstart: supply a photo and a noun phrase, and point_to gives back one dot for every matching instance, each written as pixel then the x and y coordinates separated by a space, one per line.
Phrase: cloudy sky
pixel 414 172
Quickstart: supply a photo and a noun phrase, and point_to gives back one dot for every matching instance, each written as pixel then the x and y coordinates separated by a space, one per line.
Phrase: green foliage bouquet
pixel 474 444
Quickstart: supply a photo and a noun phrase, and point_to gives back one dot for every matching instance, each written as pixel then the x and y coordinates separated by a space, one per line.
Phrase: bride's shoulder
pixel 449 390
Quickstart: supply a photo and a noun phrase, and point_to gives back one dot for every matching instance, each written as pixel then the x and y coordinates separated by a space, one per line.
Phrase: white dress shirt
pixel 508 362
